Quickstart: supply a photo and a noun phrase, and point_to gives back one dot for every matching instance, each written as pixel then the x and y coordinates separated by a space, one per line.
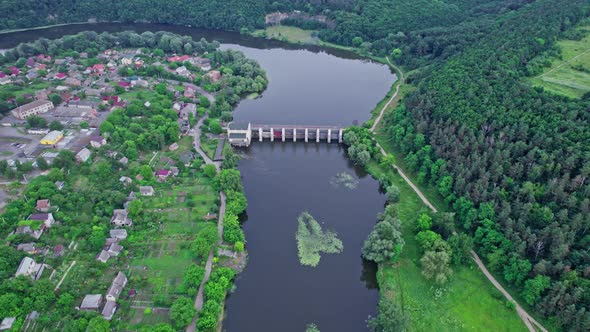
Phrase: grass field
pixel 569 76
pixel 287 33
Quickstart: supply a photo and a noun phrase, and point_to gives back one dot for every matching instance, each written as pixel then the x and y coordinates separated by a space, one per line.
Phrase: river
pixel 307 85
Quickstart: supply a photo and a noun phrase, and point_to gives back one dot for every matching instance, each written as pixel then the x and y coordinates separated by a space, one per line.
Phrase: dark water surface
pixel 308 85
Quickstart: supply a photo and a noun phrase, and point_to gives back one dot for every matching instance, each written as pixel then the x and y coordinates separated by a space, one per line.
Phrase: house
pixel 72 81
pixel 27 230
pixel 58 250
pixel 109 310
pixel 213 76
pixel 43 58
pixel 29 248
pixel 203 63
pixel 28 267
pixel 187 109
pixel 103 256
pixel 173 147
pixel 182 71
pixel 60 76
pixel 7 323
pixel 14 71
pixel 124 160
pixel 43 205
pixel 4 80
pixel 141 83
pixel 42 94
pixel 32 74
pixel 189 91
pixel 162 174
pixel 125 179
pixel 120 234
pixel 127 60
pixel 114 249
pixel 34 108
pixel 30 63
pixel 146 190
pixel 52 137
pixel 83 155
pixel 97 141
pixel 59 185
pixel 91 302
pixel 124 84
pixel 132 195
pixel 174 171
pixel 98 68
pixel 120 218
pixel 65 96
pixel 46 218
pixel 117 286
pixel 109 99
pixel 177 58
pixel 210 216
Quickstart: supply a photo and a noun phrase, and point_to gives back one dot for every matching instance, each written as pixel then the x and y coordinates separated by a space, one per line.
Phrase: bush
pixel 393 194
pixel 239 246
pixel 210 171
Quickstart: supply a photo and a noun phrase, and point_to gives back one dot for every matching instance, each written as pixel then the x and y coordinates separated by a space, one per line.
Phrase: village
pixel 67 112
pixel 74 99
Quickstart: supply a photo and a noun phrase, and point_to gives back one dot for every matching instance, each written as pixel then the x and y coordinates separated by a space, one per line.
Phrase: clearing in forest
pixel 570 75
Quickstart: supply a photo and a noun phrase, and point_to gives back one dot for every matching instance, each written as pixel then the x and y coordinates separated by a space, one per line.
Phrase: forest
pixel 511 160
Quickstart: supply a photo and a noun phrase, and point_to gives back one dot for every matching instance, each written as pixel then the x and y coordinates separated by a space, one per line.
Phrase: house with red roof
pixel 43 205
pixel 30 62
pixel 58 250
pixel 107 99
pixel 14 71
pixel 177 58
pixel 98 68
pixel 61 76
pixel 162 174
pixel 43 57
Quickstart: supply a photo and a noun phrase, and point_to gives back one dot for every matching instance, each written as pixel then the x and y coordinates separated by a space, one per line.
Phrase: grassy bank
pixel 469 302
pixel 287 34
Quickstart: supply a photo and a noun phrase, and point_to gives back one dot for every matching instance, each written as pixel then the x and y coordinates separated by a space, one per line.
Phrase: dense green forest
pixel 217 14
pixel 511 160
